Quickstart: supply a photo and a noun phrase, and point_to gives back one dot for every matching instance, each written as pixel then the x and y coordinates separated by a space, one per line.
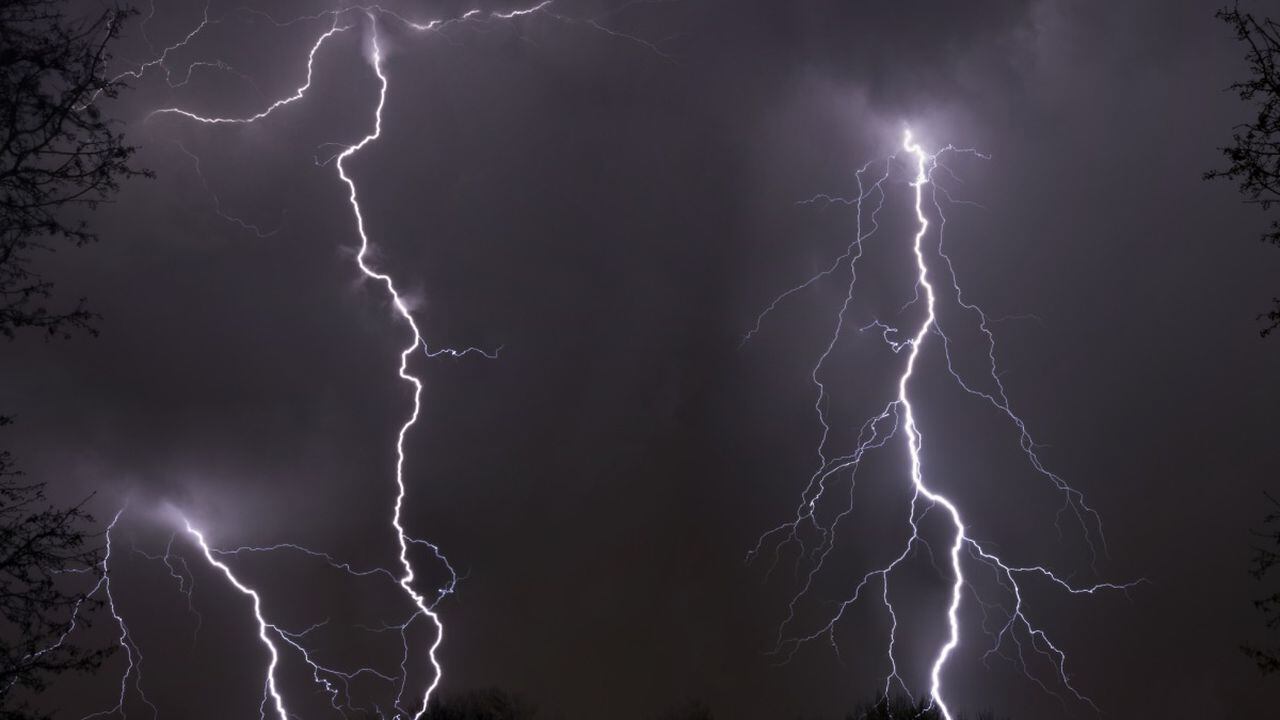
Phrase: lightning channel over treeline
pixel 189 549
pixel 973 568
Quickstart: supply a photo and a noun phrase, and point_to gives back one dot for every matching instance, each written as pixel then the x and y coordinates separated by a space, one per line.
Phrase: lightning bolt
pixel 217 202
pixel 276 639
pixel 406 577
pixel 913 433
pixel 333 681
pixel 264 628
pixel 181 573
pixel 898 416
pixel 133 655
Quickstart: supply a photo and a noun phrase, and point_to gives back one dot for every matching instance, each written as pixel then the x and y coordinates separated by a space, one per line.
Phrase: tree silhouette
pixel 40 546
pixel 902 709
pixel 497 704
pixel 895 708
pixel 58 152
pixel 487 704
pixel 1253 158
pixel 1266 557
pixel 690 710
pixel 59 155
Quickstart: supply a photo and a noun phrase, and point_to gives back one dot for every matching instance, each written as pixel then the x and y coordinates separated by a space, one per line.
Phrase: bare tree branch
pixel 58 154
pixel 57 150
pixel 49 565
pixel 1266 558
pixel 1253 158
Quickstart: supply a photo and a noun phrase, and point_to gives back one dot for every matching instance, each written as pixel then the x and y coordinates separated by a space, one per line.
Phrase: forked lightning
pixel 898 418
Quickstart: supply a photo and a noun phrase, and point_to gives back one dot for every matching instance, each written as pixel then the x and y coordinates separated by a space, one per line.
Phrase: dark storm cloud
pixel 615 220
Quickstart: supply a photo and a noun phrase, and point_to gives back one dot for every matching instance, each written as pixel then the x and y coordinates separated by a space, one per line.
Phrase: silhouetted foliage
pixel 40 547
pixel 1266 557
pixel 495 704
pixel 58 154
pixel 903 709
pixel 57 150
pixel 690 710
pixel 488 704
pixel 881 709
pixel 1254 155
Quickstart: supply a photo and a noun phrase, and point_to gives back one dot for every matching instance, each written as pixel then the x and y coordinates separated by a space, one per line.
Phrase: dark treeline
pixel 495 704
pixel 487 704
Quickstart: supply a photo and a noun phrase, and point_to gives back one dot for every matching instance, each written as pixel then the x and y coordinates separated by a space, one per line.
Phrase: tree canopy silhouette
pixel 883 708
pixel 899 708
pixel 487 704
pixel 689 710
pixel 43 550
pixel 58 151
pixel 1266 558
pixel 1253 158
pixel 59 154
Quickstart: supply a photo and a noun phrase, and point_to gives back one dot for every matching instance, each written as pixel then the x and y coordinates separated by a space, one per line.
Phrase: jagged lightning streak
pixel 133 655
pixel 289 99
pixel 186 581
pixel 327 677
pixel 407 578
pixel 340 21
pixel 333 681
pixel 324 676
pixel 913 433
pixel 217 202
pixel 899 414
pixel 264 627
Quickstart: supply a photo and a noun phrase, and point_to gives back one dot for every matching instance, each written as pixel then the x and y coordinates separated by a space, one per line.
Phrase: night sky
pixel 613 204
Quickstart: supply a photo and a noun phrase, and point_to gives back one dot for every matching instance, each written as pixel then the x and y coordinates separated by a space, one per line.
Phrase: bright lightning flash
pixel 276 640
pixel 899 416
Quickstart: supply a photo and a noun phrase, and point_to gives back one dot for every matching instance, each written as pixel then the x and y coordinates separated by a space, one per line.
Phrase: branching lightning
pixel 181 573
pixel 406 579
pixel 217 202
pixel 133 655
pixel 264 628
pixel 898 418
pixel 279 642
